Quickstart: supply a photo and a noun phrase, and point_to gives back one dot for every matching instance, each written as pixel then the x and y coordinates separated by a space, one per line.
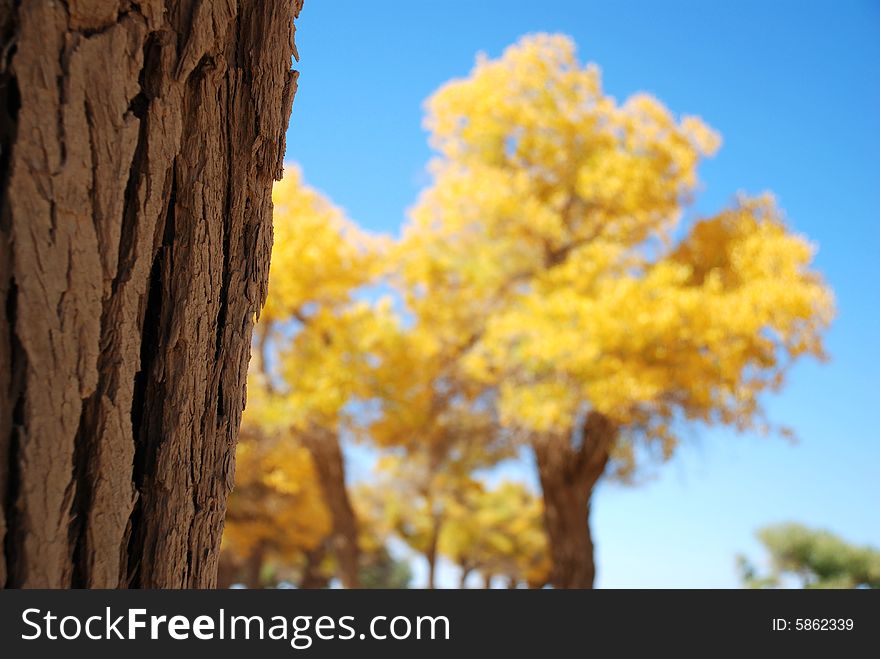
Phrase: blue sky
pixel 793 88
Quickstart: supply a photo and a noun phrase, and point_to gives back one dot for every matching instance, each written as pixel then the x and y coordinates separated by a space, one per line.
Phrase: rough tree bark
pixel 330 466
pixel 138 144
pixel 569 472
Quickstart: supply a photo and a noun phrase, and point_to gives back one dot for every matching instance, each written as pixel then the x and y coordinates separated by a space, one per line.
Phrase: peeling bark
pixel 138 144
pixel 569 474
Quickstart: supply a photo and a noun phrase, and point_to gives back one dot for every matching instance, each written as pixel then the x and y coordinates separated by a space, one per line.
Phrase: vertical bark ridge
pixel 10 353
pixel 138 144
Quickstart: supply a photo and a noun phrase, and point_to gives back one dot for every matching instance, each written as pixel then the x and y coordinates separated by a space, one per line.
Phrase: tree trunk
pixel 536 585
pixel 569 472
pixel 138 144
pixel 431 553
pixel 330 466
pixel 463 576
pixel 313 576
pixel 227 571
pixel 431 557
pixel 253 567
pixel 566 517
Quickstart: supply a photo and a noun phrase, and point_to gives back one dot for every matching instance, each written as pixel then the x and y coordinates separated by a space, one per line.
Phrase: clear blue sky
pixel 793 87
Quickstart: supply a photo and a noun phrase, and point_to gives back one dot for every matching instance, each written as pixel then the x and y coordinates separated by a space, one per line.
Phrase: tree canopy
pixel 550 248
pixel 553 288
pixel 812 558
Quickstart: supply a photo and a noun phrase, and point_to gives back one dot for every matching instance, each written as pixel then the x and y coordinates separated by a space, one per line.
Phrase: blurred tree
pixel 548 262
pixel 818 559
pixel 439 430
pixel 411 500
pixel 314 342
pixel 380 569
pixel 499 533
pixel 276 513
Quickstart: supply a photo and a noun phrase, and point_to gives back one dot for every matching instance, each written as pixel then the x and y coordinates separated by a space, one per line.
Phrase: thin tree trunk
pixel 253 567
pixel 138 144
pixel 462 578
pixel 431 553
pixel 313 576
pixel 227 571
pixel 262 331
pixel 487 581
pixel 431 557
pixel 568 475
pixel 330 466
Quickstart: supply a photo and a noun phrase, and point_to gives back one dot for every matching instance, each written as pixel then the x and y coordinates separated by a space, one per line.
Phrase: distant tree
pixel 498 532
pixel 379 569
pixel 411 500
pixel 815 558
pixel 276 521
pixel 314 343
pixel 548 260
pixel 436 430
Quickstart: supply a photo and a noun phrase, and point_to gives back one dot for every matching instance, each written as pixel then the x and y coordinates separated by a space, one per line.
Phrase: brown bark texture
pixel 568 472
pixel 329 464
pixel 138 145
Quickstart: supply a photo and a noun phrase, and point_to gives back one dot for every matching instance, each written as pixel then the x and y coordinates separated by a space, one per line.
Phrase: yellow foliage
pixel 318 257
pixel 276 504
pixel 545 272
pixel 546 257
pixel 499 532
pixel 315 342
pixel 411 497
